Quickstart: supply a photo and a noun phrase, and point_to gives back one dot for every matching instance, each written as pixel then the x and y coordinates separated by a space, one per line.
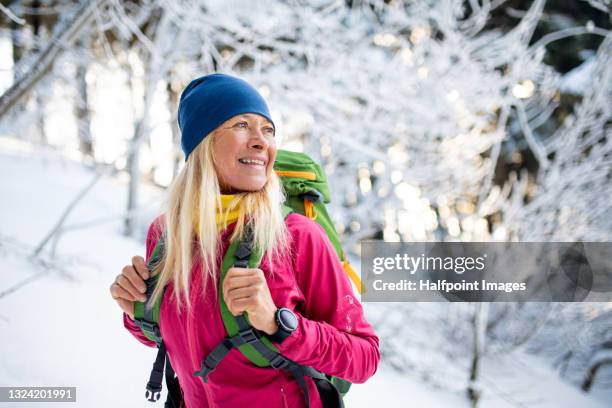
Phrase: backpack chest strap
pixel 241 335
pixel 249 335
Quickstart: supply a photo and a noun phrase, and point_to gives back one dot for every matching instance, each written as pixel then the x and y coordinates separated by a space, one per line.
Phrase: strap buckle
pixel 249 335
pixel 150 328
pixel 153 392
pixel 313 195
pixel 278 361
pixel 203 371
pixel 245 248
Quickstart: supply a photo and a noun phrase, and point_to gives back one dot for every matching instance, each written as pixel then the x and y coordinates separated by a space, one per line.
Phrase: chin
pixel 251 187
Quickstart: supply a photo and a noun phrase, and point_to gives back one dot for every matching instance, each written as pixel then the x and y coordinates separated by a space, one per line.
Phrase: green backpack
pixel 307 193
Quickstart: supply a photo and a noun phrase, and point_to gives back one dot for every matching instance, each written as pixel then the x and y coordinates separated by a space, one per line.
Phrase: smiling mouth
pixel 252 162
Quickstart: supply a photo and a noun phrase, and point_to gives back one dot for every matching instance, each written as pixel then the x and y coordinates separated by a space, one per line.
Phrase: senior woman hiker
pixel 293 304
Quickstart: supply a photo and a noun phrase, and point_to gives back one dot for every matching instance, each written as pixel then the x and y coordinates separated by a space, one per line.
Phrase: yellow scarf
pixel 220 217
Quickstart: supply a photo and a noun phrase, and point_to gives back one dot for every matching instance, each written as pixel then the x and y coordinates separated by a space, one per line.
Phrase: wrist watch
pixel 287 323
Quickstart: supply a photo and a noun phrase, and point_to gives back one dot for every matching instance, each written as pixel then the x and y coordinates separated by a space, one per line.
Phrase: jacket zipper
pixel 285 403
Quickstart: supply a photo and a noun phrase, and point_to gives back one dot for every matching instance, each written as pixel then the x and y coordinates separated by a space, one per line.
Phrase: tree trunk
pixel 40 101
pixel 173 98
pixel 155 71
pixel 61 41
pixel 479 322
pixel 133 167
pixel 82 108
pixel 590 378
pixel 18 49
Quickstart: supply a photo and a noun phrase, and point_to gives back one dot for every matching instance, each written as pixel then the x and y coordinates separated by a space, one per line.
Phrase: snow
pixel 522 380
pixel 578 79
pixel 63 329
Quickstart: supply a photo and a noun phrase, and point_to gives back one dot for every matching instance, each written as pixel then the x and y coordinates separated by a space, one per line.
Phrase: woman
pixel 227 184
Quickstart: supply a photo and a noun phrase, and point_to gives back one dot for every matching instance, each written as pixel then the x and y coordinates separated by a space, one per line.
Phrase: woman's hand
pixel 129 286
pixel 246 290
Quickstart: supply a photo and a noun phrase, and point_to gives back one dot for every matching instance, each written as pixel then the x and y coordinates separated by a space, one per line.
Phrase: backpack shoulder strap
pixel 146 314
pixel 249 341
pixel 286 210
pixel 242 254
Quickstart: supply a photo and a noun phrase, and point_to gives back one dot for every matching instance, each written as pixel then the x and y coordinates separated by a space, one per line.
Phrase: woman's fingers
pixel 241 293
pixel 234 283
pixel 135 279
pixel 129 286
pixel 238 276
pixel 115 289
pixel 127 307
pixel 243 271
pixel 236 300
pixel 246 290
pixel 242 288
pixel 242 281
pixel 240 306
pixel 243 304
pixel 120 292
pixel 123 298
pixel 133 293
pixel 141 267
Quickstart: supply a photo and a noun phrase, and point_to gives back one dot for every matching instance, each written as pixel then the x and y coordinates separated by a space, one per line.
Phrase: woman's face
pixel 244 151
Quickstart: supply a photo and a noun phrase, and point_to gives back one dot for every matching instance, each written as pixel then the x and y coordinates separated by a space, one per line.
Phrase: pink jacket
pixel 333 335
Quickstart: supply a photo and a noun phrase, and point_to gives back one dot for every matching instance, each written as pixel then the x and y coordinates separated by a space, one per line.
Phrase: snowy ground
pixel 63 329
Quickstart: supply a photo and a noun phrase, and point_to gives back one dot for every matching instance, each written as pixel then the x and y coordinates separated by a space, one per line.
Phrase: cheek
pixel 224 157
pixel 272 158
pixel 224 168
pixel 231 172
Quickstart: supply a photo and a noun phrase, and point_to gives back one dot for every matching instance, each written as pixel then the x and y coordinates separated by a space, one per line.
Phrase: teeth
pixel 252 161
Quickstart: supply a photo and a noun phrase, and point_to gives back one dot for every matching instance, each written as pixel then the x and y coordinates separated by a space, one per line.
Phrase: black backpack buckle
pixel 150 328
pixel 203 371
pixel 278 361
pixel 313 196
pixel 153 392
pixel 249 335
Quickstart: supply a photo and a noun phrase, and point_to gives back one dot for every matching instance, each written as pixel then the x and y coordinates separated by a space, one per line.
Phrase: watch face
pixel 287 319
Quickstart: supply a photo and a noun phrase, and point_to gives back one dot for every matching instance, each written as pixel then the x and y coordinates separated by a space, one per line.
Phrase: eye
pixel 242 125
pixel 269 130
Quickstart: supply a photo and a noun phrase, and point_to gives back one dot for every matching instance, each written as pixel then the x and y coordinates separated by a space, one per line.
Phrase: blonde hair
pixel 195 193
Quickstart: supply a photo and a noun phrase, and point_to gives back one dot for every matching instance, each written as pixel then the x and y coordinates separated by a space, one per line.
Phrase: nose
pixel 258 140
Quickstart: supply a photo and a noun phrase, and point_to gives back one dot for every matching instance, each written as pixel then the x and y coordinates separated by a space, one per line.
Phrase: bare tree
pixel 82 101
pixel 601 359
pixel 173 99
pixel 479 324
pixel 156 68
pixel 64 36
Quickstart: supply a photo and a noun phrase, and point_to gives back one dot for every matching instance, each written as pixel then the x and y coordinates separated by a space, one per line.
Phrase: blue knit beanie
pixel 212 99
